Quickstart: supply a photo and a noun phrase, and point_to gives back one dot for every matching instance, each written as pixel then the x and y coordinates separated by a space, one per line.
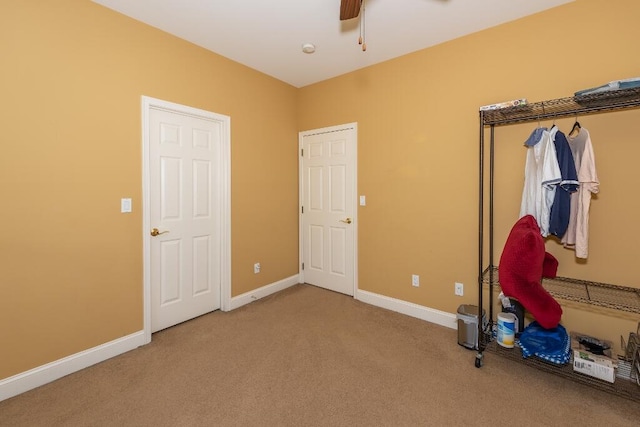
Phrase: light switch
pixel 125 205
pixel 363 201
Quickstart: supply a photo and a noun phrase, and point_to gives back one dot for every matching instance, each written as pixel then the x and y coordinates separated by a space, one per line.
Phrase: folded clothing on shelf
pixel 611 86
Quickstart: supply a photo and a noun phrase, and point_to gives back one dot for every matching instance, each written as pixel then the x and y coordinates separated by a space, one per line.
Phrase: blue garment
pixel 561 207
pixel 535 137
pixel 552 345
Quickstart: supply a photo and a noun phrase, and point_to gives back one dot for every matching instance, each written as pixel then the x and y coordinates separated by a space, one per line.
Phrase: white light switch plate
pixel 125 205
pixel 363 201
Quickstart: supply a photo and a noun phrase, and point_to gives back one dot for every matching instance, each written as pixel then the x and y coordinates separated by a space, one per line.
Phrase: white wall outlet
pixel 459 289
pixel 415 280
pixel 256 268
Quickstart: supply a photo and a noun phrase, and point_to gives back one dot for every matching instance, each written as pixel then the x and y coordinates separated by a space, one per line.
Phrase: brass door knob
pixel 155 232
pixel 347 221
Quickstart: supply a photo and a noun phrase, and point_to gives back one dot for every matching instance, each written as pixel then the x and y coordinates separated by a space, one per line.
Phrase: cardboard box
pixel 600 367
pixel 577 345
pixel 506 104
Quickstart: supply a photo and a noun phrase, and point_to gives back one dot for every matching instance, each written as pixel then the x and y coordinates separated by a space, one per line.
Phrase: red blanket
pixel 521 270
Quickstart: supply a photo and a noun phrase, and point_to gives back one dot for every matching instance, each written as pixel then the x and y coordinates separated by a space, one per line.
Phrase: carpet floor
pixel 310 357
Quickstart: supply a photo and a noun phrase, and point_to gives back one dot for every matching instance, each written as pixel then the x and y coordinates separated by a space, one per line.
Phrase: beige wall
pixel 418 149
pixel 71 80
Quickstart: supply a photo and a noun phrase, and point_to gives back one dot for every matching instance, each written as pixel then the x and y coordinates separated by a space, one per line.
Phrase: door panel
pixel 170 264
pixel 185 265
pixel 328 218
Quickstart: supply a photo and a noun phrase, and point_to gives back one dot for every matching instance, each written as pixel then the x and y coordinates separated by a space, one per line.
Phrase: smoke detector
pixel 308 48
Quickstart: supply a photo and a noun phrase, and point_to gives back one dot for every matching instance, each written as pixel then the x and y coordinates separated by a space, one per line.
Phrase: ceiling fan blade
pixel 349 9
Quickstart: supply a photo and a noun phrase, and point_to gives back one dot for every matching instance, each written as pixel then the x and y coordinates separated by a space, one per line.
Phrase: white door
pixel 328 211
pixel 185 215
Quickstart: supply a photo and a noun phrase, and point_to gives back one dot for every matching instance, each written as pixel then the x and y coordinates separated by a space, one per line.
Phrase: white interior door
pixel 328 211
pixel 186 174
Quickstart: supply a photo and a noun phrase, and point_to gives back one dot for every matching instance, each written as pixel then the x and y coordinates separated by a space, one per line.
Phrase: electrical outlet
pixel 415 281
pixel 256 268
pixel 459 289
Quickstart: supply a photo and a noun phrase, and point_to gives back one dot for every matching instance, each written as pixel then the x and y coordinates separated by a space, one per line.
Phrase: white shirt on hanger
pixel 577 235
pixel 541 177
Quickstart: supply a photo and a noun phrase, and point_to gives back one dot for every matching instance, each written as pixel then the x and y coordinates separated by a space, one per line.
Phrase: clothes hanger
pixel 576 127
pixel 535 136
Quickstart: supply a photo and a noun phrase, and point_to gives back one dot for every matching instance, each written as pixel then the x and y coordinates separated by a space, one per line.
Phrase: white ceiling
pixel 267 35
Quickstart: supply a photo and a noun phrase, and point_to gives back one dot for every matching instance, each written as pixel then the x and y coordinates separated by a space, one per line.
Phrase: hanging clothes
pixel 577 235
pixel 541 177
pixel 561 207
pixel 535 137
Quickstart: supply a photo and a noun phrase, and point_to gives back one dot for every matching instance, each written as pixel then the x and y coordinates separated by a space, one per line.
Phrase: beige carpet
pixel 310 357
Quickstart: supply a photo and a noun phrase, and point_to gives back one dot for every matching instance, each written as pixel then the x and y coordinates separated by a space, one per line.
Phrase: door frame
pixel 301 135
pixel 148 104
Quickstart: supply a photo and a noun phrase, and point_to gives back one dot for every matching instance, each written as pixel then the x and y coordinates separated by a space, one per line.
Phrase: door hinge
pixel 303 265
pixel 302 211
pixel 302 152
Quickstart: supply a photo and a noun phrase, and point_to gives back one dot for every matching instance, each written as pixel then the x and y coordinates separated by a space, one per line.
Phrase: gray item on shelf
pixel 611 86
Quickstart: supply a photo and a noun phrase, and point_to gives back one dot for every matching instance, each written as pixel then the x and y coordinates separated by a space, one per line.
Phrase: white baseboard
pixel 410 309
pixel 256 294
pixel 44 374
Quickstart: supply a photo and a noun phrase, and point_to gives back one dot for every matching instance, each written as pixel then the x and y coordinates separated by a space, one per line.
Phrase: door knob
pixel 155 232
pixel 347 221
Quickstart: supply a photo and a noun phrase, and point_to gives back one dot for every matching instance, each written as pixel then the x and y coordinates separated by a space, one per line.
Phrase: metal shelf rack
pixel 562 107
pixel 615 297
pixel 599 294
